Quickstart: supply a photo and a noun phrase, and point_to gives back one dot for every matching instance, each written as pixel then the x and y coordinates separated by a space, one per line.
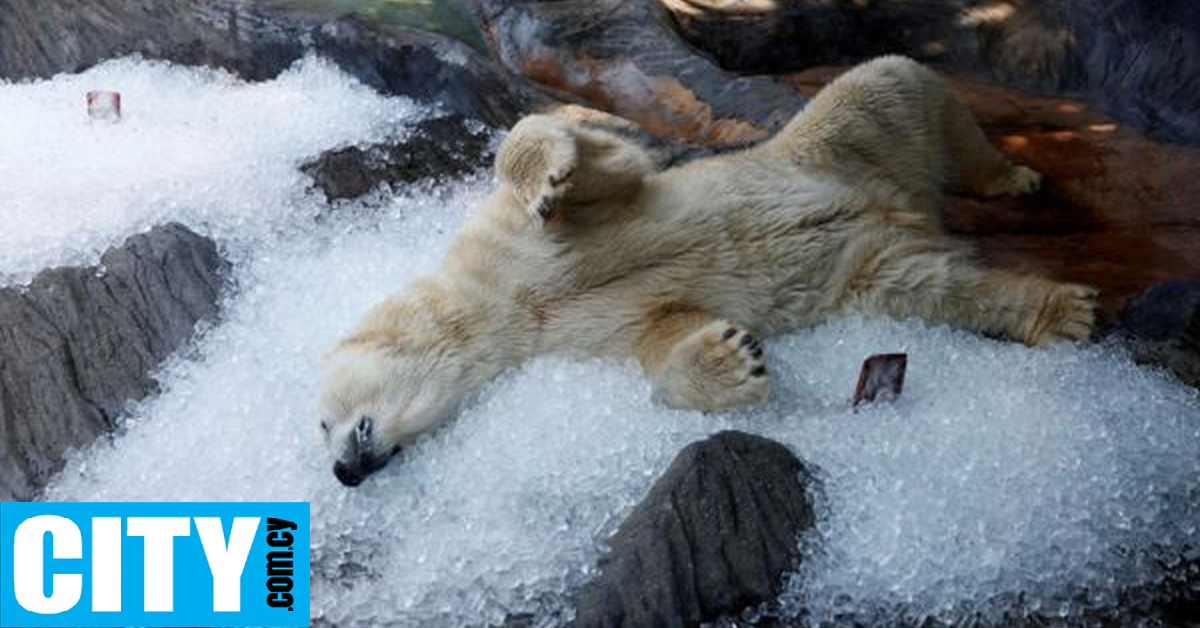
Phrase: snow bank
pixel 195 145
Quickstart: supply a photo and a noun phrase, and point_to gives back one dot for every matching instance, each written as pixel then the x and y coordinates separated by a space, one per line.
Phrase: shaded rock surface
pixel 437 148
pixel 39 38
pixel 1138 61
pixel 1164 327
pixel 620 56
pixel 716 533
pixel 1117 210
pixel 680 67
pixel 1019 42
pixel 78 344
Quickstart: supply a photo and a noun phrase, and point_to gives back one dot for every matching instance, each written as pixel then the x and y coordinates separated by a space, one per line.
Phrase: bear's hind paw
pixel 717 367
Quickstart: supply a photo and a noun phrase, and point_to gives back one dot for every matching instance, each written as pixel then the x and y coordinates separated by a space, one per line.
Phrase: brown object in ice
pixel 104 105
pixel 881 374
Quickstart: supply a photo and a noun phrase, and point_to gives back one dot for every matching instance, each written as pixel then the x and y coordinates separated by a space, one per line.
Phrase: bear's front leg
pixel 1056 312
pixel 700 363
pixel 564 173
pixel 937 280
pixel 537 161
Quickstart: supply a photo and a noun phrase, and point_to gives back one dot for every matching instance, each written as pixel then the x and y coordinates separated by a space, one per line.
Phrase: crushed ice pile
pixel 194 145
pixel 1002 473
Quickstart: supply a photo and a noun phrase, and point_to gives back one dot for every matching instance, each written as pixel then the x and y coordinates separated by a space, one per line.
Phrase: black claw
pixel 759 371
pixel 746 340
pixel 729 333
pixel 756 353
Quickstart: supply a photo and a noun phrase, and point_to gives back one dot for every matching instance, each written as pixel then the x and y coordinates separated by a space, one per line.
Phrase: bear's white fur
pixel 585 249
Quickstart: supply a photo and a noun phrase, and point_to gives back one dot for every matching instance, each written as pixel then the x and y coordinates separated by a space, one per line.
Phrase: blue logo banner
pixel 154 564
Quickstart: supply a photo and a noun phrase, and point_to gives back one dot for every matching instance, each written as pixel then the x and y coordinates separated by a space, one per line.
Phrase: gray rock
pixel 1163 325
pixel 39 38
pixel 1142 63
pixel 716 534
pixel 78 344
pixel 437 148
pixel 1018 43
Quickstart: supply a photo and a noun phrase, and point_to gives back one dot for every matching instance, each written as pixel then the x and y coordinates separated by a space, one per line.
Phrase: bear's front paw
pixel 717 367
pixel 1069 314
pixel 553 192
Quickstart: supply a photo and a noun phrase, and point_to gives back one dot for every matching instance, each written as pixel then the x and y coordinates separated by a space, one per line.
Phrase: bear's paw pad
pixel 719 366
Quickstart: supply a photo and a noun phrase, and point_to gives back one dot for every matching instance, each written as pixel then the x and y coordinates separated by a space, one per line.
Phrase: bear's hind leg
pixel 982 170
pixel 937 281
pixel 697 362
pixel 893 117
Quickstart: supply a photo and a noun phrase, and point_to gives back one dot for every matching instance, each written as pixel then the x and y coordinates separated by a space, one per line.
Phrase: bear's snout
pixel 363 459
pixel 347 475
pixel 353 472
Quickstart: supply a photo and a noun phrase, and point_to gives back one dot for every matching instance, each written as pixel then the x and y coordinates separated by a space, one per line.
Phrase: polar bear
pixel 584 248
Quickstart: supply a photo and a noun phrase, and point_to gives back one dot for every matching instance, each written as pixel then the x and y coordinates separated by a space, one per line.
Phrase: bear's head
pixel 403 373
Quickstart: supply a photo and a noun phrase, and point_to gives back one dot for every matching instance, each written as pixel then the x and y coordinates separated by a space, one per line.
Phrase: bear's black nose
pixel 347 475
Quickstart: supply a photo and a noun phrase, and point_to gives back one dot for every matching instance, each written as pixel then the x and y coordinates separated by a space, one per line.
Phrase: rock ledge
pixel 78 344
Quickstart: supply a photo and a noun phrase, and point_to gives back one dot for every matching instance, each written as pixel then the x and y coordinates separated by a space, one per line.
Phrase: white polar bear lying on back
pixel 585 249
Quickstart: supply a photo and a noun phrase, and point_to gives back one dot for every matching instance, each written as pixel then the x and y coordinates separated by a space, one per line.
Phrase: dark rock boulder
pixel 1018 42
pixel 1138 61
pixel 716 534
pixel 435 149
pixel 1164 327
pixel 1142 63
pixel 78 344
pixel 39 38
